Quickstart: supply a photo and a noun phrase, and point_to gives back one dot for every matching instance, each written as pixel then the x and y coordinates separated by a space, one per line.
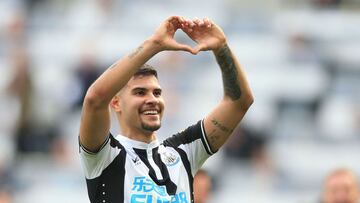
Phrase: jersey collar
pixel 130 143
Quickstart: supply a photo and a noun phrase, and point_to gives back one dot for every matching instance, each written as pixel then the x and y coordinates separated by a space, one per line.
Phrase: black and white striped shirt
pixel 130 171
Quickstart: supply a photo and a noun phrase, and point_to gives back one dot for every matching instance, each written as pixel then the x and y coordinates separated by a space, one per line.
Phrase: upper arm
pixel 95 123
pixel 222 121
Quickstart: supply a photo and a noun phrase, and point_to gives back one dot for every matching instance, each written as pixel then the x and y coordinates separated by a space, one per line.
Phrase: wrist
pixel 219 48
pixel 154 45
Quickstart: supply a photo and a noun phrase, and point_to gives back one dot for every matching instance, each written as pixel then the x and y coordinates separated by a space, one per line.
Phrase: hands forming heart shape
pixel 206 34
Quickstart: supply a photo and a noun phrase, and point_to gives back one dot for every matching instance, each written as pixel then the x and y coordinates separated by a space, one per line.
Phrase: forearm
pixel 221 121
pixel 117 75
pixel 236 86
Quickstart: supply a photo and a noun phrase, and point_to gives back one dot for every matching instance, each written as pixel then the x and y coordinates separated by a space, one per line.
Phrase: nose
pixel 151 99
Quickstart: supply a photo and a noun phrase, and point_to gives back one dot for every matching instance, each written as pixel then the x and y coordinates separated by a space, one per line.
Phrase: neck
pixel 139 135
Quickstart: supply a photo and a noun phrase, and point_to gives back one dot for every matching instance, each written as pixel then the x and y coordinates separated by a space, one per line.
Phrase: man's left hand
pixel 205 33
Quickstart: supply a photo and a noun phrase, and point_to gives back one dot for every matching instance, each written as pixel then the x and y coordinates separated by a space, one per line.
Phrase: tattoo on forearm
pixel 135 52
pixel 229 73
pixel 221 126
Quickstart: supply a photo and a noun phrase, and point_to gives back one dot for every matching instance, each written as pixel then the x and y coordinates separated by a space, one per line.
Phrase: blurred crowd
pixel 302 59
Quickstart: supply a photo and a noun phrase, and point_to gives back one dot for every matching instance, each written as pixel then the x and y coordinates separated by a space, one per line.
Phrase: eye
pixel 157 93
pixel 140 93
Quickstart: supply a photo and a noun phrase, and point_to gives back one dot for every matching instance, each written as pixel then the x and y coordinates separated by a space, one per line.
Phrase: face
pixel 341 188
pixel 141 105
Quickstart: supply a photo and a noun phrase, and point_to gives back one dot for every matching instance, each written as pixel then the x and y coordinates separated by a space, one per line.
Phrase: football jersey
pixel 126 170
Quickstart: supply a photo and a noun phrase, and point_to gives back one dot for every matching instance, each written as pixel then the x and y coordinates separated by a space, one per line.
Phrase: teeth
pixel 151 112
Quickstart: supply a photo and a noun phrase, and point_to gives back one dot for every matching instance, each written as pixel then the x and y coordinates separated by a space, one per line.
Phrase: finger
pixel 191 23
pixel 175 22
pixel 185 23
pixel 186 29
pixel 211 22
pixel 197 21
pixel 173 18
pixel 207 22
pixel 201 23
pixel 182 21
pixel 189 30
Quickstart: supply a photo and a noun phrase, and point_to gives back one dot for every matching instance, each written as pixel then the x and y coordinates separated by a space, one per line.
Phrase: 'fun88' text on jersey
pixel 130 171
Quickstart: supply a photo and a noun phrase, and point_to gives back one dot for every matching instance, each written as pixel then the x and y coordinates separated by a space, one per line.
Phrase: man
pixel 134 167
pixel 202 186
pixel 341 186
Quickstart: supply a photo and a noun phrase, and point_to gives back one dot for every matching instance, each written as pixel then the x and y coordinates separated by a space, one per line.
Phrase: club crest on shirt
pixel 170 157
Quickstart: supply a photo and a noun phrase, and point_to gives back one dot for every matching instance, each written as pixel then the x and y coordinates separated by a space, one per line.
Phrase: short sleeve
pixel 194 143
pixel 94 163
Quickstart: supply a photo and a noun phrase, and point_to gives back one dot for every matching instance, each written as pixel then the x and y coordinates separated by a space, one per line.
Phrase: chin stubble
pixel 150 128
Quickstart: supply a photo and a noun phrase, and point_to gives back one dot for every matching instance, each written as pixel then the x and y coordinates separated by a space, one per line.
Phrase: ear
pixel 115 103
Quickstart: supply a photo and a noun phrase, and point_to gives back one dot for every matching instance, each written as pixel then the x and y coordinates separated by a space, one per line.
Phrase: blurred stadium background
pixel 302 60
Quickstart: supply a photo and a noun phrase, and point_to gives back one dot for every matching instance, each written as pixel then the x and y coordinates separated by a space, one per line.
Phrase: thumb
pixel 184 47
pixel 200 47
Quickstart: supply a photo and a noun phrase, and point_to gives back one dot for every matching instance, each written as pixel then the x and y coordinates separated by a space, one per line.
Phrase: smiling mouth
pixel 150 112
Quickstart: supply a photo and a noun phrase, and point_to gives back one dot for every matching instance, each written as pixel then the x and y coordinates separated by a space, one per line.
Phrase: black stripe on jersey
pixel 115 143
pixel 189 135
pixel 170 186
pixel 109 186
pixel 187 166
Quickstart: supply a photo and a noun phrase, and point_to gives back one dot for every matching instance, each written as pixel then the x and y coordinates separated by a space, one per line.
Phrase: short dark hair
pixel 146 70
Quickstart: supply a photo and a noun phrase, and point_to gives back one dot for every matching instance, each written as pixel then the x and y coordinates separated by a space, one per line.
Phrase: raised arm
pixel 221 121
pixel 95 121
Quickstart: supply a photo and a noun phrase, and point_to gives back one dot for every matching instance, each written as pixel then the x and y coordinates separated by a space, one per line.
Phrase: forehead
pixel 340 179
pixel 143 81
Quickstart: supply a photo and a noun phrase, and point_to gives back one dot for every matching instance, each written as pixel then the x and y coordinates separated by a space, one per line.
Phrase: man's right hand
pixel 164 35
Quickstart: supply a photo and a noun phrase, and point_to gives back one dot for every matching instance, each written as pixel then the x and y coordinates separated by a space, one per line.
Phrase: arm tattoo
pixel 135 52
pixel 221 126
pixel 229 73
pixel 213 138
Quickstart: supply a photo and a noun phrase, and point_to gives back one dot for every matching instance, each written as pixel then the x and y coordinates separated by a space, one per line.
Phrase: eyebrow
pixel 144 89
